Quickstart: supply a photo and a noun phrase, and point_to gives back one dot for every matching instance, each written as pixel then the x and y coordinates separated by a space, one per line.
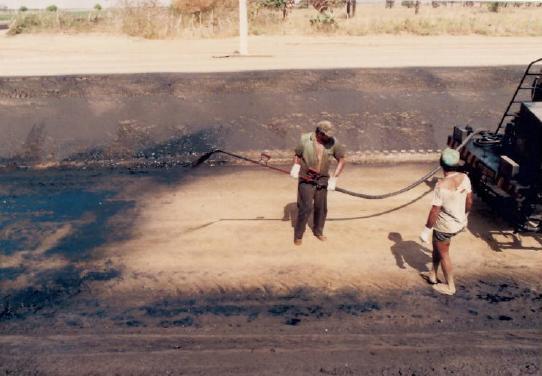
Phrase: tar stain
pixel 292 321
pixel 495 298
pixel 55 288
pixel 495 293
pixel 290 308
pixel 183 322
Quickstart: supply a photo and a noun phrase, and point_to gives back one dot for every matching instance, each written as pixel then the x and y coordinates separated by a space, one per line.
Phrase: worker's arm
pixel 340 167
pixel 431 220
pixel 339 154
pixel 468 203
pixel 296 167
pixel 436 206
pixel 432 217
pixel 332 183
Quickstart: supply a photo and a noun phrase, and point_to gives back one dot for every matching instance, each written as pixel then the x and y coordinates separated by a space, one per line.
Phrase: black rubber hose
pixel 409 187
pixel 431 173
pixel 390 194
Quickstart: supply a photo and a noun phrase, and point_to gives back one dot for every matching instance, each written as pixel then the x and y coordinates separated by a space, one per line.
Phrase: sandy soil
pixel 79 54
pixel 194 272
pixel 233 232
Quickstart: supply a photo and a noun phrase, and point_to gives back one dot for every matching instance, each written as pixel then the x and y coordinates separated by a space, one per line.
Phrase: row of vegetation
pixel 219 18
pixel 183 6
pixel 54 8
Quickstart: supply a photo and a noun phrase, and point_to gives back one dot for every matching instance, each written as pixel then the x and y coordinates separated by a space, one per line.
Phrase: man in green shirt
pixel 311 166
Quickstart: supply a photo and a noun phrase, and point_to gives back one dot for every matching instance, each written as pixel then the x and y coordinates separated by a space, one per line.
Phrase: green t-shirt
pixel 306 151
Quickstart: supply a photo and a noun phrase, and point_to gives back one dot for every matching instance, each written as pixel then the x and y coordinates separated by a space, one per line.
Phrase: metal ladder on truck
pixel 536 84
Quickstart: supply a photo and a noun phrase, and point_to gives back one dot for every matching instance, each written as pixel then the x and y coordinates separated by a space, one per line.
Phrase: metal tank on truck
pixel 505 165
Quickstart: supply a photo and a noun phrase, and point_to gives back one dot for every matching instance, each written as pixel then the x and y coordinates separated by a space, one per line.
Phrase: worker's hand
pixel 424 236
pixel 294 172
pixel 332 184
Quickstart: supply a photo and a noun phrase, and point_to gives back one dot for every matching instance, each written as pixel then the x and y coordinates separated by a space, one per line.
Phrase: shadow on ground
pixel 51 224
pixel 483 302
pixel 487 225
pixel 408 252
pixel 52 221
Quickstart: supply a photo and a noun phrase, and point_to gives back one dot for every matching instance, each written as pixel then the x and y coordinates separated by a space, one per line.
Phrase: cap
pixel 450 157
pixel 326 127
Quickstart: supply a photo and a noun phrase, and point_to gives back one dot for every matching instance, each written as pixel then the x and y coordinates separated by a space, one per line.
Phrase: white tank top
pixel 452 217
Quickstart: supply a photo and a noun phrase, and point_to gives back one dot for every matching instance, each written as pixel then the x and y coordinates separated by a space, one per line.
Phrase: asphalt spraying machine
pixel 505 166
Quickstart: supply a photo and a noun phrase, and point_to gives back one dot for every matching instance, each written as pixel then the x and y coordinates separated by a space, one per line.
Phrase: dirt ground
pixel 194 272
pixel 159 269
pixel 53 54
pixel 152 118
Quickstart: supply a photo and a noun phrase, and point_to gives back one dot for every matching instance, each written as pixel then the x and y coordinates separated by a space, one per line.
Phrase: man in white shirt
pixel 448 216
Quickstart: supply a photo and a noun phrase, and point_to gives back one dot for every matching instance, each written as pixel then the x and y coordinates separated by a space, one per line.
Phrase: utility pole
pixel 243 27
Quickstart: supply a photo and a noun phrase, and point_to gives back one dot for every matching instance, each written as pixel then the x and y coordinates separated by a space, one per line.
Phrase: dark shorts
pixel 443 237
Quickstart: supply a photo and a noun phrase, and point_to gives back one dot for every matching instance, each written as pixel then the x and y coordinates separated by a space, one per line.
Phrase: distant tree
pixel 97 7
pixel 51 8
pixel 3 7
pixel 323 6
pixel 23 9
pixel 283 5
pixel 201 6
pixel 351 8
pixel 494 6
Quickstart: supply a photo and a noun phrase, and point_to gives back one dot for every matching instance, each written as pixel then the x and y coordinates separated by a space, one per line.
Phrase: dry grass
pixel 193 19
pixel 199 6
pixel 375 19
pixel 146 19
pixel 56 22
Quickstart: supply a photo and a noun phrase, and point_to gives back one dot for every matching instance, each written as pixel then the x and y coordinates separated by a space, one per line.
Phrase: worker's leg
pixel 435 256
pixel 431 276
pixel 443 248
pixel 320 211
pixel 305 197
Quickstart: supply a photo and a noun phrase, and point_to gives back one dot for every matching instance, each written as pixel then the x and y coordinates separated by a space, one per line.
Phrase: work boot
pixel 298 241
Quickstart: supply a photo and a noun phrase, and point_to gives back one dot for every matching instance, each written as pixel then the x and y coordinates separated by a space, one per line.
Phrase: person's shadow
pixel 409 253
pixel 290 214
